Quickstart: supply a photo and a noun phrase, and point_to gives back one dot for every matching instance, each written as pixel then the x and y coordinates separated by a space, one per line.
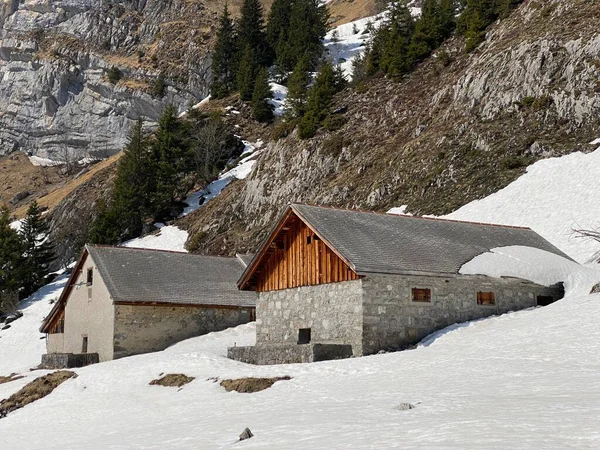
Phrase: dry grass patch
pixel 38 388
pixel 11 377
pixel 55 197
pixel 173 379
pixel 249 385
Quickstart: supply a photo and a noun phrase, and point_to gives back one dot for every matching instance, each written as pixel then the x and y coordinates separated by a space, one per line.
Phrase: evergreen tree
pixel 11 258
pixel 173 159
pixel 224 58
pixel 251 33
pixel 434 26
pixel 278 23
pixel 247 74
pixel 478 15
pixel 328 82
pixel 298 88
pixel 106 229
pixel 308 26
pixel 391 44
pixel 38 252
pixel 262 110
pixel 133 183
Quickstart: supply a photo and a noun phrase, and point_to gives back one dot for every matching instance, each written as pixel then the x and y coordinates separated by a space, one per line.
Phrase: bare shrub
pixel 590 234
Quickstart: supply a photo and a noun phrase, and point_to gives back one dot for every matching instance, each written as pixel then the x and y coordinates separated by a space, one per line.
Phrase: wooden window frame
pixel 421 295
pixel 486 298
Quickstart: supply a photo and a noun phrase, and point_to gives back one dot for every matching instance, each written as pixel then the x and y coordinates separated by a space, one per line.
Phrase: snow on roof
pixel 536 265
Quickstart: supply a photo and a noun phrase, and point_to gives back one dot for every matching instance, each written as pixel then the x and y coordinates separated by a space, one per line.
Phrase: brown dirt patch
pixel 38 388
pixel 173 379
pixel 54 197
pixel 249 385
pixel 11 377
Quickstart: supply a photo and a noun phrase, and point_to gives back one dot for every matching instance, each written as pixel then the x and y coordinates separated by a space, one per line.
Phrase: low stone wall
pixel 289 354
pixel 68 360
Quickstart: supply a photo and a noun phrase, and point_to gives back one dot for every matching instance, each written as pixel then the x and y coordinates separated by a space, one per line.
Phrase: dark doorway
pixel 544 300
pixel 84 345
pixel 304 336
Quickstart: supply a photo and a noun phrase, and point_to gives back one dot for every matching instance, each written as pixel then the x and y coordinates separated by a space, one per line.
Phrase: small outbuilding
pixel 124 301
pixel 336 283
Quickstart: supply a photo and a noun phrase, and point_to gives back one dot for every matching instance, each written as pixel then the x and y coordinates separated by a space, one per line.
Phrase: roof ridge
pixel 121 247
pixel 408 216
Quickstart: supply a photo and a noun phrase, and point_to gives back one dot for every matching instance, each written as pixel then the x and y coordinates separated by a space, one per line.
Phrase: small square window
pixel 90 276
pixel 486 298
pixel 421 295
pixel 308 240
pixel 304 336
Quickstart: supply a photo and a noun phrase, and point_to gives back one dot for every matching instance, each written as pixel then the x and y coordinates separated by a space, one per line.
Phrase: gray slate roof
pixel 137 275
pixel 394 244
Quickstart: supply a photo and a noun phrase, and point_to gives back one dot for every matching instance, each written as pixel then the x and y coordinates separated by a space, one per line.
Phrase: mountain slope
pixel 459 128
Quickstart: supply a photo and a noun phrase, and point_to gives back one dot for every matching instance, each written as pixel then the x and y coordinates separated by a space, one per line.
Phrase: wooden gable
pixel 295 255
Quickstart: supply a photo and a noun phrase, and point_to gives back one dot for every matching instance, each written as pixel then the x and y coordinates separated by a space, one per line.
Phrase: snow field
pixel 554 197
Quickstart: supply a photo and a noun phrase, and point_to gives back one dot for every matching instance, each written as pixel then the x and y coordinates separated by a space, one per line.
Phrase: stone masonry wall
pixel 392 320
pixel 142 329
pixel 332 311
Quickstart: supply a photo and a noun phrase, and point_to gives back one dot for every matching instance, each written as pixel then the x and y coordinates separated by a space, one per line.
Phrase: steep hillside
pixel 459 128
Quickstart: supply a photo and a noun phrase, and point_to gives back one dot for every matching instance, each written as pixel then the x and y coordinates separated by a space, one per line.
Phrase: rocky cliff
pixel 76 73
pixel 459 128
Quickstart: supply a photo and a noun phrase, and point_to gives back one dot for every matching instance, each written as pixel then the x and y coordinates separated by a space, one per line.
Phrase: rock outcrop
pixel 76 73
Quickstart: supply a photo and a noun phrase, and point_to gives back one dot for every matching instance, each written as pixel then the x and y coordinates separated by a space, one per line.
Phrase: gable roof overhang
pixel 62 300
pixel 290 213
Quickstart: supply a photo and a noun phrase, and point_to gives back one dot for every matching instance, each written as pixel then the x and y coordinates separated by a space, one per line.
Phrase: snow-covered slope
pixel 22 345
pixel 522 380
pixel 554 197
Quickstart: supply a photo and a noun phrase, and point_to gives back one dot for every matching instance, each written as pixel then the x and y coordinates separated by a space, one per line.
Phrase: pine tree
pixel 298 88
pixel 251 33
pixel 478 15
pixel 133 183
pixel 224 58
pixel 38 252
pixel 11 258
pixel 391 44
pixel 308 26
pixel 328 82
pixel 106 229
pixel 278 23
pixel 433 27
pixel 173 159
pixel 262 109
pixel 246 75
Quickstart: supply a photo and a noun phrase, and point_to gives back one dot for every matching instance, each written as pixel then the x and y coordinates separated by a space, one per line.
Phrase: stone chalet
pixel 122 301
pixel 336 283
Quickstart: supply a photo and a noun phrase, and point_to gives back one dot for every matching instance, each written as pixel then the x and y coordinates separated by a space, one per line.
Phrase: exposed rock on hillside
pixel 459 128
pixel 58 96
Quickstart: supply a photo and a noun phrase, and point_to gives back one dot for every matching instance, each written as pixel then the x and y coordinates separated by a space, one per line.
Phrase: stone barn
pixel 123 301
pixel 336 283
